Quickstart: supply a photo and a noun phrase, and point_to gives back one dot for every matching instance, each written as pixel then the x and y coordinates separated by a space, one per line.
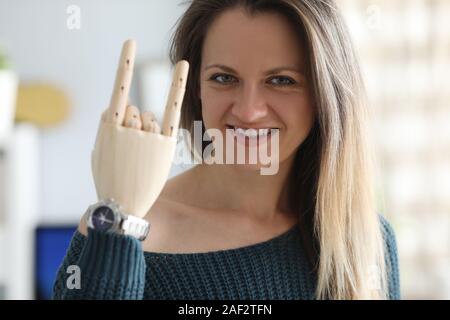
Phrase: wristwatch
pixel 107 216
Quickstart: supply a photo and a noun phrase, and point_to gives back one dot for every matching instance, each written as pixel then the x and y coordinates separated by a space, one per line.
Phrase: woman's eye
pixel 282 81
pixel 229 79
pixel 223 78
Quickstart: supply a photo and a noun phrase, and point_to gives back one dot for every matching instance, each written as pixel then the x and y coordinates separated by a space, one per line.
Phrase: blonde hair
pixel 331 185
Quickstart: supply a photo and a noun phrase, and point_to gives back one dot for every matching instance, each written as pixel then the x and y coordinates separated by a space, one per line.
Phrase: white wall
pixel 83 63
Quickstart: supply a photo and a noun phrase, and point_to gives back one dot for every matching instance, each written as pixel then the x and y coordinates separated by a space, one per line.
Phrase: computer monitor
pixel 51 244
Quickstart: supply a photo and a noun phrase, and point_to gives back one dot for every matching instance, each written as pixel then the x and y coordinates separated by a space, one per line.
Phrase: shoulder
pixel 391 257
pixel 175 191
pixel 388 234
pixel 170 218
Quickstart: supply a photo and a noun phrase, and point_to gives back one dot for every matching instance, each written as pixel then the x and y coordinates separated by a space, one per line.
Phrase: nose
pixel 250 105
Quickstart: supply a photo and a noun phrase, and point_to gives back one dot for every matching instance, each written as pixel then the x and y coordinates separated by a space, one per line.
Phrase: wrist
pixel 107 216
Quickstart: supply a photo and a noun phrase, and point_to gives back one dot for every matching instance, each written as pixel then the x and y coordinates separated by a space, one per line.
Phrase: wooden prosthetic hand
pixel 132 156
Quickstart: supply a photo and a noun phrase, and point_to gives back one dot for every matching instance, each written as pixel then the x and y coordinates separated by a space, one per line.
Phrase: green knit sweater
pixel 115 267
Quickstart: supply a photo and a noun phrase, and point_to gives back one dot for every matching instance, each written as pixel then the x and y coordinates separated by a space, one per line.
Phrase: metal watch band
pixel 136 227
pixel 124 223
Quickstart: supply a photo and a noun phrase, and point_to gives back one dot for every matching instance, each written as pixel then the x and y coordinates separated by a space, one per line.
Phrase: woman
pixel 226 231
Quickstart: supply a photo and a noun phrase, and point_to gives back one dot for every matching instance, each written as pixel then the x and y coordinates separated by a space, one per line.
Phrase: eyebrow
pixel 269 72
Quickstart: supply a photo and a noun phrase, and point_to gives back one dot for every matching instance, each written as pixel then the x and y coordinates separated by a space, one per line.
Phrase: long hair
pixel 331 183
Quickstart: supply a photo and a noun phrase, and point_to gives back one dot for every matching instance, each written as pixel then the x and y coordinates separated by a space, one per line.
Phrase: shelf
pixel 19 209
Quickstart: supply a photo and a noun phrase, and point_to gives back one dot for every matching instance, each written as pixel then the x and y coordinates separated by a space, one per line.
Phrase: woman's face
pixel 253 75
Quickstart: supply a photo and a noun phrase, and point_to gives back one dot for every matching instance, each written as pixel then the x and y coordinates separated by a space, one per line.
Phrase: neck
pixel 246 191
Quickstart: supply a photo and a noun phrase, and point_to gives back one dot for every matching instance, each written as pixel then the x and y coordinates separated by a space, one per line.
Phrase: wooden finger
pixel 172 112
pixel 122 83
pixel 133 118
pixel 149 122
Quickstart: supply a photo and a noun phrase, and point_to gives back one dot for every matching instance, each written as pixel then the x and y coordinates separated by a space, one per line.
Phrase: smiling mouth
pixel 234 128
pixel 251 133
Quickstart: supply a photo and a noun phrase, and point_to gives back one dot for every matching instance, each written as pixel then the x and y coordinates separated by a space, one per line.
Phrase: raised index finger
pixel 175 99
pixel 122 83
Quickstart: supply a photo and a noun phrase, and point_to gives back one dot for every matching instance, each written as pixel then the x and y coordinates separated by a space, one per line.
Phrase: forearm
pixel 111 266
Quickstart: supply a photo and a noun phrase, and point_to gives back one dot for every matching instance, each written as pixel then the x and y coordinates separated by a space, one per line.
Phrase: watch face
pixel 103 218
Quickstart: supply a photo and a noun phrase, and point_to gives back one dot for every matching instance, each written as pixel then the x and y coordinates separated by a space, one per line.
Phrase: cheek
pixel 214 105
pixel 296 111
pixel 302 116
pixel 298 116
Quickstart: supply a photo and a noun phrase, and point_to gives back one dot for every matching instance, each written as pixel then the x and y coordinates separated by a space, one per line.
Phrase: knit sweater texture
pixel 115 266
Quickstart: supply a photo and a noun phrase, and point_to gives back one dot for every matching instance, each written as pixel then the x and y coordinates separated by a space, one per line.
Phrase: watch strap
pixel 136 227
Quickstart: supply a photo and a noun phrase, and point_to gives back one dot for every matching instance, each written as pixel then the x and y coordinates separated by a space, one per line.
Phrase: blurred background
pixel 57 66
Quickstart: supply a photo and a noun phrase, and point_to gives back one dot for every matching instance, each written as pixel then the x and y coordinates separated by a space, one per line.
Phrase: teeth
pixel 252 133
